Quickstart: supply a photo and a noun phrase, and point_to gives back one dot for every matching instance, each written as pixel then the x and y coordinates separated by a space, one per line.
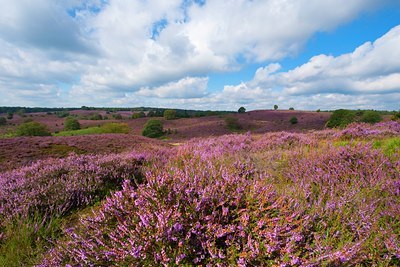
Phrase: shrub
pixel 371 116
pixel 241 110
pixel 10 116
pixel 293 120
pixel 138 115
pixel 233 123
pixel 153 129
pixel 396 116
pixel 117 116
pixel 340 118
pixel 71 124
pixel 275 107
pixel 62 114
pixel 96 117
pixel 170 114
pixel 32 129
pixel 291 108
pixel 3 121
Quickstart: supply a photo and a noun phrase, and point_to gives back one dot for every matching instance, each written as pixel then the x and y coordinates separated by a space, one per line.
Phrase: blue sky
pixel 211 54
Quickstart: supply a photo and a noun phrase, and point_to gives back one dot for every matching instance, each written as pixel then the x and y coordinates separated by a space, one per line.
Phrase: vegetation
pixel 104 129
pixel 62 114
pixel 371 116
pixel 32 128
pixel 341 118
pixel 71 124
pixel 275 107
pixel 10 116
pixel 141 114
pixel 117 116
pixel 3 121
pixel 153 129
pixel 241 110
pixel 293 120
pixel 96 117
pixel 170 114
pixel 232 123
pixel 396 116
pixel 291 108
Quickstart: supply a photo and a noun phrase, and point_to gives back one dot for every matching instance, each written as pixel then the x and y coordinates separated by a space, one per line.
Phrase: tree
pixel 371 116
pixel 293 120
pixel 153 129
pixel 71 124
pixel 341 118
pixel 32 128
pixel 96 117
pixel 396 116
pixel 10 115
pixel 275 107
pixel 291 108
pixel 3 121
pixel 138 115
pixel 170 114
pixel 241 110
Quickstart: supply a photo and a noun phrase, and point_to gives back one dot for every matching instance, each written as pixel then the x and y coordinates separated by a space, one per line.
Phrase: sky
pixel 201 54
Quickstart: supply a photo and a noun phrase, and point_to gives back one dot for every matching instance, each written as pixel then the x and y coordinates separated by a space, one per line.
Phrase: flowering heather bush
pixel 56 186
pixel 363 130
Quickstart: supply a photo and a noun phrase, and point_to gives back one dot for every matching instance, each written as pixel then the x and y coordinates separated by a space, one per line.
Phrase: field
pixel 270 194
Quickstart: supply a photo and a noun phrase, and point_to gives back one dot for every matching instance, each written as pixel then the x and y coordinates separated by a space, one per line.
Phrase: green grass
pixel 104 129
pixel 389 146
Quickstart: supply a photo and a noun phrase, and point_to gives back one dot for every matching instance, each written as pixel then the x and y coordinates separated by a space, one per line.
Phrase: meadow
pixel 315 198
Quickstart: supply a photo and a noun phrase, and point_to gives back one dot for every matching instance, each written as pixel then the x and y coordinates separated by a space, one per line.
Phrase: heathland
pixel 259 188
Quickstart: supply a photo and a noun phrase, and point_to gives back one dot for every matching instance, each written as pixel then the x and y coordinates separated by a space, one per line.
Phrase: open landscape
pixel 265 192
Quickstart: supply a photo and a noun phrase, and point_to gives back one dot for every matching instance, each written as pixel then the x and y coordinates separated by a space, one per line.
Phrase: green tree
pixel 96 117
pixel 3 121
pixel 341 118
pixel 275 107
pixel 117 116
pixel 153 129
pixel 32 128
pixel 291 108
pixel 396 116
pixel 138 115
pixel 170 114
pixel 10 115
pixel 293 120
pixel 241 110
pixel 371 116
pixel 71 124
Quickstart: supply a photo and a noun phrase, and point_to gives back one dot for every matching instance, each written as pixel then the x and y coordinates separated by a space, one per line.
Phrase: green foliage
pixel 275 107
pixel 3 121
pixel 389 146
pixel 318 110
pixel 371 116
pixel 96 117
pixel 291 108
pixel 232 123
pixel 241 110
pixel 117 116
pixel 62 114
pixel 153 129
pixel 139 115
pixel 341 118
pixel 293 120
pixel 170 114
pixel 10 115
pixel 104 129
pixel 32 129
pixel 71 124
pixel 396 116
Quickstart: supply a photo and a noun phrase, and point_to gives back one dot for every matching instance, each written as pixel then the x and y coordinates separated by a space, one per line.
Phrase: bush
pixel 291 108
pixel 396 116
pixel 115 128
pixel 3 121
pixel 233 123
pixel 71 124
pixel 341 118
pixel 96 117
pixel 62 114
pixel 10 116
pixel 153 129
pixel 32 129
pixel 117 116
pixel 293 120
pixel 138 115
pixel 241 110
pixel 275 107
pixel 170 114
pixel 371 116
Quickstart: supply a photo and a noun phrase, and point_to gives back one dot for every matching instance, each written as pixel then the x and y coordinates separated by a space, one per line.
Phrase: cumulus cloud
pixel 110 52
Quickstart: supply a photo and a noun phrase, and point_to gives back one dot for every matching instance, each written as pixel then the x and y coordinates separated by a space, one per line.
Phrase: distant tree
pixel 71 124
pixel 170 114
pixel 396 116
pixel 318 110
pixel 3 121
pixel 341 118
pixel 293 120
pixel 32 129
pixel 291 108
pixel 10 115
pixel 241 110
pixel 275 107
pixel 371 116
pixel 153 129
pixel 151 113
pixel 62 114
pixel 117 116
